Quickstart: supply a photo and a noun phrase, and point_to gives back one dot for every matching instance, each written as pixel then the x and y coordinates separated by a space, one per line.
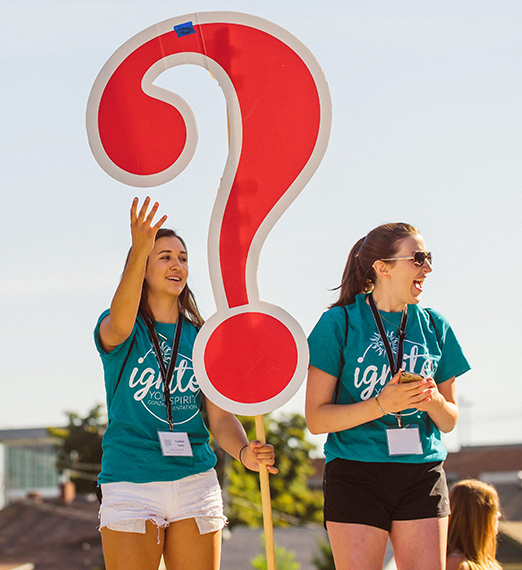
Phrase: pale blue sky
pixel 426 129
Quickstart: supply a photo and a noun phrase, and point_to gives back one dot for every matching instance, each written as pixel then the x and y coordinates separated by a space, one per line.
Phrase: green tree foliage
pixel 285 559
pixel 80 452
pixel 323 560
pixel 292 500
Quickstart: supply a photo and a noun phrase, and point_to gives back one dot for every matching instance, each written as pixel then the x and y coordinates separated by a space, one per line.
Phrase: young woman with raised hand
pixel 381 383
pixel 160 491
pixel 473 526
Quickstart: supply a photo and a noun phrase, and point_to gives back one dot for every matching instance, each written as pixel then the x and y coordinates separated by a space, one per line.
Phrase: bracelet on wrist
pixel 240 452
pixel 380 407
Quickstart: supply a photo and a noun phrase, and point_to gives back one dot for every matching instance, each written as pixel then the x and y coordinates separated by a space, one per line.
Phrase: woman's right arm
pixel 117 326
pixel 323 416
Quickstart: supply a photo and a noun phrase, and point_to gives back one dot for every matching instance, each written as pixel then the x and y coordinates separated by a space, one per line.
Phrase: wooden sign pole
pixel 265 500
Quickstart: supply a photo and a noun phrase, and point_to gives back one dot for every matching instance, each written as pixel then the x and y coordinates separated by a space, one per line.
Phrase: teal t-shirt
pixel 433 354
pixel 136 409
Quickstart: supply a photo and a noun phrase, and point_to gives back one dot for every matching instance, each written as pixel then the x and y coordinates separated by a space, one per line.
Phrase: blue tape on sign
pixel 184 29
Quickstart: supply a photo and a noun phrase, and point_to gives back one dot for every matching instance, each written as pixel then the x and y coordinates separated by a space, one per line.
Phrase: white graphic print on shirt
pixel 148 387
pixel 416 359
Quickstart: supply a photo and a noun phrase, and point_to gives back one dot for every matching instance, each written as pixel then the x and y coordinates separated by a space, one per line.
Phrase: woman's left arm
pixel 441 404
pixel 231 436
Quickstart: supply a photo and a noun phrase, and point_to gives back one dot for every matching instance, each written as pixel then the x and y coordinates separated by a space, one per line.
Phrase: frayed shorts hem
pixel 126 507
pixel 205 524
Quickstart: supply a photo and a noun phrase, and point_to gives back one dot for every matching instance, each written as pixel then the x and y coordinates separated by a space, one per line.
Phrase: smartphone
pixel 409 377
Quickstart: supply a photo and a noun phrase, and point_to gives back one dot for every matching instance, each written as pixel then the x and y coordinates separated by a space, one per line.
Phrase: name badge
pixel 175 443
pixel 404 441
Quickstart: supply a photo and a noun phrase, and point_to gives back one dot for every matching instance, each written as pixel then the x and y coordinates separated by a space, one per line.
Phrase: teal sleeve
pixel 452 363
pixel 113 354
pixel 326 342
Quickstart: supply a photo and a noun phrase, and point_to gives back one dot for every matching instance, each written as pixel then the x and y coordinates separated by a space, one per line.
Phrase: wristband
pixel 380 407
pixel 240 452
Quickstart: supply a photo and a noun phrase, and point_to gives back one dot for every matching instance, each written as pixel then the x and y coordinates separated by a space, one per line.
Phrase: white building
pixel 27 464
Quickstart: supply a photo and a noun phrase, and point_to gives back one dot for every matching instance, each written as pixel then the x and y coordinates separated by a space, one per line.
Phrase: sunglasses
pixel 419 257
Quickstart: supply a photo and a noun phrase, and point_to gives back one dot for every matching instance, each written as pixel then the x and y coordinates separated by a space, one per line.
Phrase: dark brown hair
pixel 187 305
pixel 381 243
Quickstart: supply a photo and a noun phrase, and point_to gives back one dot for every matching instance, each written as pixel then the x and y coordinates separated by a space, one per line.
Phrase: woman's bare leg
pixel 186 548
pixel 131 550
pixel 420 543
pixel 357 546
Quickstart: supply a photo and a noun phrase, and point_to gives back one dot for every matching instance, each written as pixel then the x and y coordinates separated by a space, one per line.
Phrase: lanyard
pixel 166 375
pixel 394 366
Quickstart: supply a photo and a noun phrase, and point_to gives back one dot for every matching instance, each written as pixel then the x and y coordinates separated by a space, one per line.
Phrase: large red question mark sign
pixel 250 357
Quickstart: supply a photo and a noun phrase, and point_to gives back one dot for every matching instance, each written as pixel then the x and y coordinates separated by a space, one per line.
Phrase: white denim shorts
pixel 127 506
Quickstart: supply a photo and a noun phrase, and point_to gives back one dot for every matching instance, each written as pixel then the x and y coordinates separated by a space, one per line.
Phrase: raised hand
pixel 142 231
pixel 117 326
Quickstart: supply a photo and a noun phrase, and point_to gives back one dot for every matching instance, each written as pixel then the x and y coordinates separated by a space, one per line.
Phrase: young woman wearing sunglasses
pixel 160 491
pixel 381 383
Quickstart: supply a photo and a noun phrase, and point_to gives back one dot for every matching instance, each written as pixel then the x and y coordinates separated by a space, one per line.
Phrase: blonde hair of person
pixel 473 524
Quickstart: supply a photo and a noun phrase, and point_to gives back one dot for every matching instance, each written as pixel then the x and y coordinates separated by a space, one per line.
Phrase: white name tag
pixel 404 441
pixel 175 444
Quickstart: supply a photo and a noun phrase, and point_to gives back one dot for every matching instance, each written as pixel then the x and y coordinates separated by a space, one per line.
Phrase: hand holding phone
pixel 410 377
